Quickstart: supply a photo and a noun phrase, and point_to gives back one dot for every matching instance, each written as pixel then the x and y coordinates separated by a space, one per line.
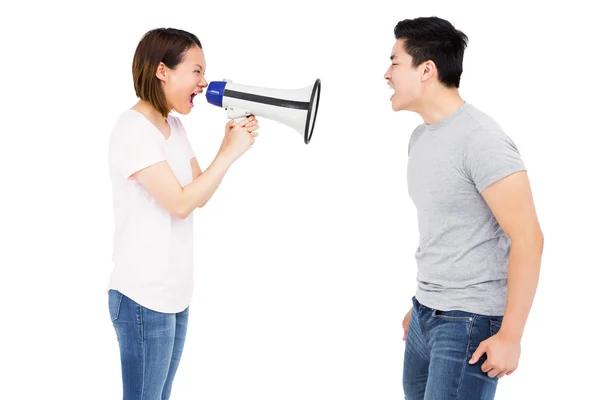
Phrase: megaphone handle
pixel 237 114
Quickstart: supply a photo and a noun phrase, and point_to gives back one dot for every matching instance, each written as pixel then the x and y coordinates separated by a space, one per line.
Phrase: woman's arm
pixel 161 182
pixel 180 201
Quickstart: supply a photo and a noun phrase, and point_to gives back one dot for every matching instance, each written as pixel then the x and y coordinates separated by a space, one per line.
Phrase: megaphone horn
pixel 296 108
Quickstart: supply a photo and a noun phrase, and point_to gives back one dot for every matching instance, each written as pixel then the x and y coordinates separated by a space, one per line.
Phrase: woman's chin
pixel 184 110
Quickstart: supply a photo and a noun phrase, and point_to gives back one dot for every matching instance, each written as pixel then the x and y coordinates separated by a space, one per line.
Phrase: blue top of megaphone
pixel 214 93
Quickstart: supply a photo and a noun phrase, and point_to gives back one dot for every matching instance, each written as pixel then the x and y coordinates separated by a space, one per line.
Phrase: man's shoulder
pixel 484 130
pixel 481 120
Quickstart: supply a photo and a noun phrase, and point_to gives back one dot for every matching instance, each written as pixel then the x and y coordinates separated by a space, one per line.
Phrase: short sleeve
pixel 490 155
pixel 133 147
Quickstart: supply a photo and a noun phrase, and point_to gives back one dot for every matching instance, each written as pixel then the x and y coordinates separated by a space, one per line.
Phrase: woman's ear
pixel 161 72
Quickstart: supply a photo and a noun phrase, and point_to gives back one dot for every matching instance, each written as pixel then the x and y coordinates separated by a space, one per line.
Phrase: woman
pixel 157 183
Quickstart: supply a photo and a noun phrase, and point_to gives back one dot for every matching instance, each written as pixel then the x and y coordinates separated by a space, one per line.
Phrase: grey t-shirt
pixel 462 256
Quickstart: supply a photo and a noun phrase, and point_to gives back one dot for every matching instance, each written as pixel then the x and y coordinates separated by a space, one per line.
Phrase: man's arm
pixel 511 202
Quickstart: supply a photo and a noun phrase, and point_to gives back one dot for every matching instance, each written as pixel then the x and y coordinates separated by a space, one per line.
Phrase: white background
pixel 305 255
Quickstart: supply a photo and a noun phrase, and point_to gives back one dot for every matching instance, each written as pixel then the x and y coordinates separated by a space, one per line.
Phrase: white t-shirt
pixel 153 250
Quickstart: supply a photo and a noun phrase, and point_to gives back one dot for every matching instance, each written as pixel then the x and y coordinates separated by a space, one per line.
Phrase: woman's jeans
pixel 150 344
pixel 439 346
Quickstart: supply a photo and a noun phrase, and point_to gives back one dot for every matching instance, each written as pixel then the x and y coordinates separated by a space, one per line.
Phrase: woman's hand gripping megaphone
pixel 239 137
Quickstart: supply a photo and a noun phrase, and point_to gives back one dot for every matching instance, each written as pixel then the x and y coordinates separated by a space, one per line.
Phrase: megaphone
pixel 296 108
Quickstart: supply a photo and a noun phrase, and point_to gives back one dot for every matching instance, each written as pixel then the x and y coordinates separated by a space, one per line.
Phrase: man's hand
pixel 502 355
pixel 405 323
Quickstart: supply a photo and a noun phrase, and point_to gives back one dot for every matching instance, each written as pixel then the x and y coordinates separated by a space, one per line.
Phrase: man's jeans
pixel 439 346
pixel 150 345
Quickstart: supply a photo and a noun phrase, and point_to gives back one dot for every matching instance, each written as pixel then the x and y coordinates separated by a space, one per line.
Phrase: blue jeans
pixel 439 345
pixel 150 346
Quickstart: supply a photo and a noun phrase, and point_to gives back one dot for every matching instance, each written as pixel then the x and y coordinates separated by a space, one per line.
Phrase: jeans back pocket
pixel 114 304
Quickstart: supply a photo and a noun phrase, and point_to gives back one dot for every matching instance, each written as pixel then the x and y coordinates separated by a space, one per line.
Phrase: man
pixel 480 243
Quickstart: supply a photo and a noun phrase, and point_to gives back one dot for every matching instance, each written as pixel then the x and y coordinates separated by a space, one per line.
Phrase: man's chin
pixel 397 107
pixel 401 105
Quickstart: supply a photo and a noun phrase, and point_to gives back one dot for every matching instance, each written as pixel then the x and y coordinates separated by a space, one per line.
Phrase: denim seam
pixel 119 306
pixel 462 372
pixel 422 330
pixel 141 311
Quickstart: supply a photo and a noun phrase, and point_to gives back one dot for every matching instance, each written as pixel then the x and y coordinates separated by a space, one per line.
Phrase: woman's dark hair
pixel 435 39
pixel 166 45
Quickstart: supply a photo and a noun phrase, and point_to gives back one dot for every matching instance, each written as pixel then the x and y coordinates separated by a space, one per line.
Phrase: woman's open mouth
pixel 191 100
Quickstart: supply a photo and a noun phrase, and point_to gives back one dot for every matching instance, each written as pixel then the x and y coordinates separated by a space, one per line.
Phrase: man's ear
pixel 429 69
pixel 161 72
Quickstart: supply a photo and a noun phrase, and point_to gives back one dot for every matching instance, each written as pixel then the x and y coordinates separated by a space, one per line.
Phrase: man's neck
pixel 439 104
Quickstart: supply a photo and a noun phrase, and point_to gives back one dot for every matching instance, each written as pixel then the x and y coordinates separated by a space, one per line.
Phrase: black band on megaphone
pixel 273 101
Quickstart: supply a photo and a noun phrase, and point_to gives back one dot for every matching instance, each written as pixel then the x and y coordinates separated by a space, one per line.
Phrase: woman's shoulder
pixel 126 121
pixel 129 128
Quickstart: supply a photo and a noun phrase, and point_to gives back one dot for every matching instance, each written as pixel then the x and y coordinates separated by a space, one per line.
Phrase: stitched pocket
pixel 452 315
pixel 494 326
pixel 114 304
